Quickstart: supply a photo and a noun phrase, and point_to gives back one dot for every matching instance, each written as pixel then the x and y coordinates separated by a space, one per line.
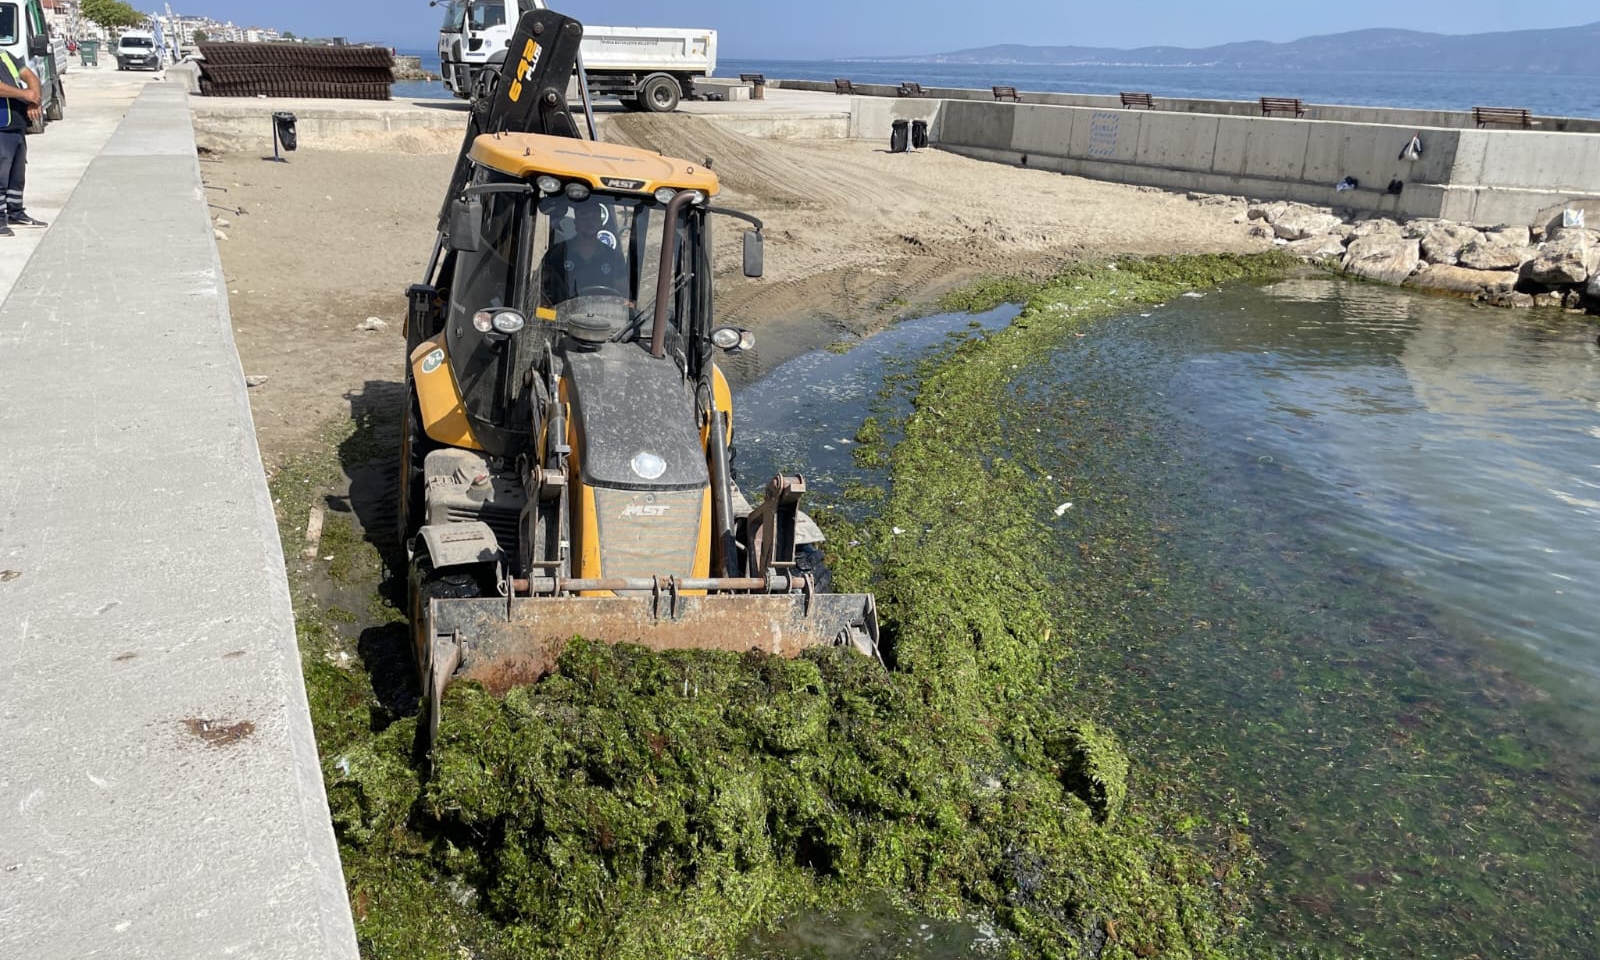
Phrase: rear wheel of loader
pixel 409 509
pixel 659 93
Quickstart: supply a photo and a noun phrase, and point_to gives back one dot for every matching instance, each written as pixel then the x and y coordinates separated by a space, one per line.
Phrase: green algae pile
pixel 641 804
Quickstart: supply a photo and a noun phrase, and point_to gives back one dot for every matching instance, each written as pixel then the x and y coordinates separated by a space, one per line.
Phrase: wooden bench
pixel 1006 93
pixel 911 89
pixel 841 85
pixel 1510 116
pixel 1138 100
pixel 1282 105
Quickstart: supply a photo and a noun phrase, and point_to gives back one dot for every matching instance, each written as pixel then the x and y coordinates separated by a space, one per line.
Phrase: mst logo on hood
pixel 617 183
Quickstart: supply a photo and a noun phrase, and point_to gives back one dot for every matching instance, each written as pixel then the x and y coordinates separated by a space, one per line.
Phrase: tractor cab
pixel 561 244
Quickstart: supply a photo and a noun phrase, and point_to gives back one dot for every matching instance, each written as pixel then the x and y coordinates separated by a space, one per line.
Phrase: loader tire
pixel 409 511
pixel 808 559
pixel 429 584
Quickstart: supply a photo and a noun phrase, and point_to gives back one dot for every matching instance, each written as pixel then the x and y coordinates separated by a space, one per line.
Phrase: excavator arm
pixel 527 95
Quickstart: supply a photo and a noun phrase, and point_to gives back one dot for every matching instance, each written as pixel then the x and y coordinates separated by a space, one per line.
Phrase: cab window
pixel 8 23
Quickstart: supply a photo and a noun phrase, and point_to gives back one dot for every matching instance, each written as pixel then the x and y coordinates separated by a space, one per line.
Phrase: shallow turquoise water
pixel 1360 533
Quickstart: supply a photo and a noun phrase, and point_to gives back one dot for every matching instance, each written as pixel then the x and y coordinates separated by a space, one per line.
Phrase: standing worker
pixel 19 103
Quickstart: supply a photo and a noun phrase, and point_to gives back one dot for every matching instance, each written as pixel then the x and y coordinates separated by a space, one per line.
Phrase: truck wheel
pixel 659 93
pixel 58 104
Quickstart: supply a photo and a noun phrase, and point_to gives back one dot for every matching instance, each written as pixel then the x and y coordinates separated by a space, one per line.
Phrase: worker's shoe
pixel 23 220
pixel 5 231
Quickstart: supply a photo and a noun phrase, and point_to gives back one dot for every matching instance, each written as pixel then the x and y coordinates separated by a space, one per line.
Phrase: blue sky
pixel 821 29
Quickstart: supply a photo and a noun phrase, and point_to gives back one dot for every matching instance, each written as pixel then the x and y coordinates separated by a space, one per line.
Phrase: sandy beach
pixel 856 237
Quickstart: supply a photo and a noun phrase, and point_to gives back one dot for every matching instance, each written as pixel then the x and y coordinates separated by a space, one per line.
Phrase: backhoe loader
pixel 565 465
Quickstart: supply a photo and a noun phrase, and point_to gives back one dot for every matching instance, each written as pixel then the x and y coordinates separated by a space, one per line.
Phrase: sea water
pixel 1361 609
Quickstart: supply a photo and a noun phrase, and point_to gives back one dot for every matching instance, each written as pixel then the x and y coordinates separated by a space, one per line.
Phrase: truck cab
pixel 647 68
pixel 26 35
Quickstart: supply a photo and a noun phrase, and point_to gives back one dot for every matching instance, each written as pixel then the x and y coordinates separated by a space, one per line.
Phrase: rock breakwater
pixel 1505 265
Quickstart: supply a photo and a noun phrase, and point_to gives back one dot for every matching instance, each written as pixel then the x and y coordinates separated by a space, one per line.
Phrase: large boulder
pixel 1302 223
pixel 1442 241
pixel 1491 252
pixel 1516 236
pixel 1316 248
pixel 1491 285
pixel 1367 228
pixel 1267 211
pixel 1572 257
pixel 1387 257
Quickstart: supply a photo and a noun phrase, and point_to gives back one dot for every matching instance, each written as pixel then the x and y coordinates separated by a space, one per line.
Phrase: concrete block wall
pixel 1481 176
pixel 1227 108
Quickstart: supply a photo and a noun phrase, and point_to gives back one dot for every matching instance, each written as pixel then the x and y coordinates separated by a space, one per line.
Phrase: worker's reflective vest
pixel 15 81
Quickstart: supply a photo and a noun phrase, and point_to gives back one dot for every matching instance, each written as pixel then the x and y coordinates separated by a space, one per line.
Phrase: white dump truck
pixel 647 68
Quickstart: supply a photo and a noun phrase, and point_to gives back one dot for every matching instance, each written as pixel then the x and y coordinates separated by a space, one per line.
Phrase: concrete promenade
pixel 160 795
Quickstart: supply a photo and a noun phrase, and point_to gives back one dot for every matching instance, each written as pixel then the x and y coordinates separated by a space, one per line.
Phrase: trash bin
pixel 283 123
pixel 899 135
pixel 919 133
pixel 89 52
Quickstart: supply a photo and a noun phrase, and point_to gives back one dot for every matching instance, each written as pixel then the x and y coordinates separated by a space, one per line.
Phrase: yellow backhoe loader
pixel 565 467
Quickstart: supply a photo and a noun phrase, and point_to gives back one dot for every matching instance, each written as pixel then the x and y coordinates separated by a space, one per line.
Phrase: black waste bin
pixel 919 133
pixel 899 136
pixel 283 123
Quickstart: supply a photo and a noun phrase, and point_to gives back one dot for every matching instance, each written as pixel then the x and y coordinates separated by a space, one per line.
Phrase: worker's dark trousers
pixel 13 165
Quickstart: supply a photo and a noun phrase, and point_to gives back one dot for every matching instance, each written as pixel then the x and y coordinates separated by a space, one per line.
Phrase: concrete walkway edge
pixel 161 794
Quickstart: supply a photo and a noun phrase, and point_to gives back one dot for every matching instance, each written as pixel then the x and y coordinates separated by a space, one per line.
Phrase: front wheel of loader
pixel 429 584
pixel 808 559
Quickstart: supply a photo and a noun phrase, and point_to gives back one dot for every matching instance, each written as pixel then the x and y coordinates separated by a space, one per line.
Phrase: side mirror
pixel 39 45
pixel 753 254
pixel 466 225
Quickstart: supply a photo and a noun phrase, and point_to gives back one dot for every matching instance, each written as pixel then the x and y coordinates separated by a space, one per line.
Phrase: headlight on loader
pixel 733 338
pixel 503 321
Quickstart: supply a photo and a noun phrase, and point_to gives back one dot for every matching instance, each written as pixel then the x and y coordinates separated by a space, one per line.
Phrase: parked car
pixel 137 49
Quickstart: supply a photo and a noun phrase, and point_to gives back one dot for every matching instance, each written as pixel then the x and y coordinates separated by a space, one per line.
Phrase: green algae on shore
pixel 666 804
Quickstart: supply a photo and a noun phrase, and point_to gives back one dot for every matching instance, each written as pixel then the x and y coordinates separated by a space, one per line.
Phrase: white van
pixel 137 48
pixel 26 36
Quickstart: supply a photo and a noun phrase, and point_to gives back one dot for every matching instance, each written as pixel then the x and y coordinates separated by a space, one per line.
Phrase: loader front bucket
pixel 504 643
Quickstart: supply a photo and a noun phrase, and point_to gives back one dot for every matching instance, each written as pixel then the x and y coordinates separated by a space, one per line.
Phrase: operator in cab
pixel 589 262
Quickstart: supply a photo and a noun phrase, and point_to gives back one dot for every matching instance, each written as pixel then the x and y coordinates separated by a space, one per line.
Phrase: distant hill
pixel 1571 51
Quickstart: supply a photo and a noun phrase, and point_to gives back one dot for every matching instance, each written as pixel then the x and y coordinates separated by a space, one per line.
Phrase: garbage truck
pixel 647 68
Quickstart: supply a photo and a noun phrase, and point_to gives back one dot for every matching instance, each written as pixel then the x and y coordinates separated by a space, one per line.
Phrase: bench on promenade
pixel 1136 99
pixel 911 88
pixel 841 85
pixel 758 84
pixel 1509 116
pixel 1006 93
pixel 1282 105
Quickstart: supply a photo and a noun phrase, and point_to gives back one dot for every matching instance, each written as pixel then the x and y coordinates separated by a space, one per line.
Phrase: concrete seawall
pixel 1474 176
pixel 1228 108
pixel 162 792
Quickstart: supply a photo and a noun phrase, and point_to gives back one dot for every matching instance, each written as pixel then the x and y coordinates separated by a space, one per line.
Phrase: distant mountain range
pixel 1568 51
